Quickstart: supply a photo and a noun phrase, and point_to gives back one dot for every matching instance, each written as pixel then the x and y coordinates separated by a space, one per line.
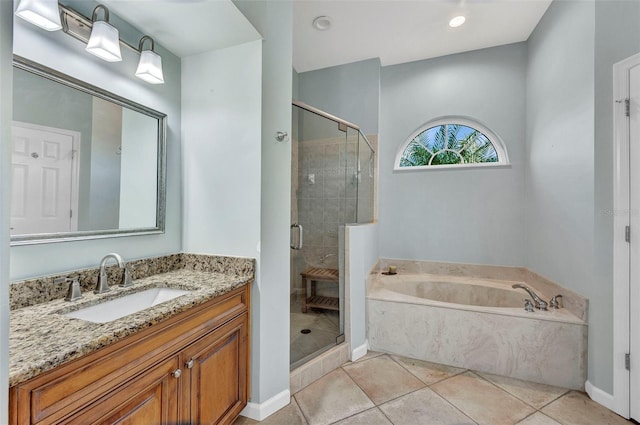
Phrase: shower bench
pixel 312 275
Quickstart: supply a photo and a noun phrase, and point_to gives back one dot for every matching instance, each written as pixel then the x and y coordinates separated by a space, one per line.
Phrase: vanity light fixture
pixel 150 65
pixel 104 41
pixel 42 13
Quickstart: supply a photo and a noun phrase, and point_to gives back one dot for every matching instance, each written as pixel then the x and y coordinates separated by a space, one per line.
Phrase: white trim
pixel 600 396
pixel 621 250
pixel 360 351
pixel 261 411
pixel 496 141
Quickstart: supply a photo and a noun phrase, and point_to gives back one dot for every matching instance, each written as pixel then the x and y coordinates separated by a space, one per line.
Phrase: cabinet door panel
pixel 218 376
pixel 150 398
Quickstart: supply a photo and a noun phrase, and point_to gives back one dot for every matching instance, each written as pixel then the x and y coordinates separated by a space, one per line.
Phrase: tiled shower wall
pixel 327 187
pixel 324 198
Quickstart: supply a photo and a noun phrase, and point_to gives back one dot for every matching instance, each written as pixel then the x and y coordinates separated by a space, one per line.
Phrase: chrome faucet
pixel 103 284
pixel 539 302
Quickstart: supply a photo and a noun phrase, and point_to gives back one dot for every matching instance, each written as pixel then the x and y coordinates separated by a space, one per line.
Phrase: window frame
pixel 496 141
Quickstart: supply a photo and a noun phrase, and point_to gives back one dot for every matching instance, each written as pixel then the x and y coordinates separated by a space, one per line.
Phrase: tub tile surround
pixel 544 347
pixel 41 337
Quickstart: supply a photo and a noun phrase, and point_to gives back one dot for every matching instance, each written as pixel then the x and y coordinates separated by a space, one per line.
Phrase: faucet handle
pixel 73 293
pixel 528 305
pixel 126 278
pixel 556 302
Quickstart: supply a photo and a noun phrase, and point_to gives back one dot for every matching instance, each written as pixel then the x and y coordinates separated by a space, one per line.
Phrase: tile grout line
pixel 535 409
pixel 503 389
pixel 357 385
pixel 295 400
pixel 395 398
pixel 454 406
pixel 433 383
pixel 385 415
pixel 411 392
pixel 356 414
pixel 518 398
pixel 556 399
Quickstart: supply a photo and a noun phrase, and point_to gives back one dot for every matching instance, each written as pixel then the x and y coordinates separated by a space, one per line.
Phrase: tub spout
pixel 539 302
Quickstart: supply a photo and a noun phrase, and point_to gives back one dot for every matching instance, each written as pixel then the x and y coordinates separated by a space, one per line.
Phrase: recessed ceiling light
pixel 457 21
pixel 322 23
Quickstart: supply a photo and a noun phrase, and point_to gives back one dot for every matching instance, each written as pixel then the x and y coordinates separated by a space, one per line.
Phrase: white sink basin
pixel 124 306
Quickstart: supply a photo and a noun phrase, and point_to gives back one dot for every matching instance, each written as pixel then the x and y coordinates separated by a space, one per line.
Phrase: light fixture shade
pixel 104 42
pixel 43 13
pixel 150 67
pixel 457 21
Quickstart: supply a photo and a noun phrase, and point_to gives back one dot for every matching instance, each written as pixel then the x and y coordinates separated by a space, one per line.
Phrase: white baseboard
pixel 599 396
pixel 360 351
pixel 260 411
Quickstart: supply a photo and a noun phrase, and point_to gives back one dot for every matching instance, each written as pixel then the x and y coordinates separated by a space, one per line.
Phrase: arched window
pixel 449 142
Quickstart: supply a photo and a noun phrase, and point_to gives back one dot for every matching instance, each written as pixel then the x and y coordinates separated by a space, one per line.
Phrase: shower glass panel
pixel 326 185
pixel 351 181
pixel 366 168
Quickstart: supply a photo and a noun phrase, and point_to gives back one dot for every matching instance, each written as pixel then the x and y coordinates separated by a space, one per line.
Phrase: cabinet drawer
pixel 52 396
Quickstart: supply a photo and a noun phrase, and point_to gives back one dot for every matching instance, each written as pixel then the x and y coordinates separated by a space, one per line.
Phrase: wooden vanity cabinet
pixel 190 369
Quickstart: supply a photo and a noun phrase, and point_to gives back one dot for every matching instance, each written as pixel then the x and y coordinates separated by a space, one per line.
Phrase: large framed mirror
pixel 86 163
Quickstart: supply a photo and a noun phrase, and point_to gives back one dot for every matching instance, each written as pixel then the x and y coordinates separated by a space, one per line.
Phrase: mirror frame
pixel 58 77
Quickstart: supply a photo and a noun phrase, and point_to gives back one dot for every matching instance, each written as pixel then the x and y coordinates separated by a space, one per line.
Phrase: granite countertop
pixel 41 337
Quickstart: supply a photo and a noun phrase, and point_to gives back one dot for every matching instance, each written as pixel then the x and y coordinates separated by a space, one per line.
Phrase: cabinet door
pixel 218 379
pixel 150 398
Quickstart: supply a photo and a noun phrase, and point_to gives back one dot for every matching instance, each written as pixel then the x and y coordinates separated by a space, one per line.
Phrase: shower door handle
pixel 300 231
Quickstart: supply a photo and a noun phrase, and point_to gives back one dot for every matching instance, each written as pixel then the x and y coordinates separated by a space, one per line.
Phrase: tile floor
pixel 323 324
pixel 381 389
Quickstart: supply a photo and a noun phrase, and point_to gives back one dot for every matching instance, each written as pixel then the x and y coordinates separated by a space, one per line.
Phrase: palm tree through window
pixel 451 144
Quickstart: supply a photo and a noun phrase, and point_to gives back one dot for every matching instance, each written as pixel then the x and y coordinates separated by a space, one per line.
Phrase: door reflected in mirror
pixel 85 163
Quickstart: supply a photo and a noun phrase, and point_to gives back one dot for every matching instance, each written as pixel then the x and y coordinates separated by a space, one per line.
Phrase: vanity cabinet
pixel 190 369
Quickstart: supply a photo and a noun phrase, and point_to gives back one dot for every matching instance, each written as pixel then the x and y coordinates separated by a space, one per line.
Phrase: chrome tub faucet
pixel 103 284
pixel 539 302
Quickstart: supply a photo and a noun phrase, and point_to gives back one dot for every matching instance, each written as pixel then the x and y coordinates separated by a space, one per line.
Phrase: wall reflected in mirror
pixel 83 163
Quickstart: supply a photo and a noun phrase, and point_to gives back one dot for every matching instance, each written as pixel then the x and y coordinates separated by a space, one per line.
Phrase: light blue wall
pixel 295 90
pixel 456 215
pixel 350 92
pixel 59 51
pixel 560 165
pixel 6 104
pixel 270 302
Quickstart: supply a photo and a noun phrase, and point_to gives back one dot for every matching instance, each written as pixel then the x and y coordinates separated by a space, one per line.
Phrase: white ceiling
pixel 187 27
pixel 399 31
pixel 396 31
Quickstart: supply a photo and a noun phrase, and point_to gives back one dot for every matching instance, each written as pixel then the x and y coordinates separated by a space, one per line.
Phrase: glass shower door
pixel 318 206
